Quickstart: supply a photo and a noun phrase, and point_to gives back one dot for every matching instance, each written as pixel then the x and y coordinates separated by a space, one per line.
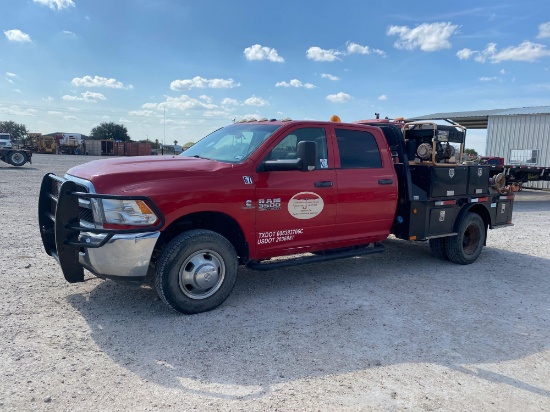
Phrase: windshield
pixel 233 143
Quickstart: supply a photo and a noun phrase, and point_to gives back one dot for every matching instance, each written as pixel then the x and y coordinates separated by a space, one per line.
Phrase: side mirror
pixel 307 152
pixel 306 159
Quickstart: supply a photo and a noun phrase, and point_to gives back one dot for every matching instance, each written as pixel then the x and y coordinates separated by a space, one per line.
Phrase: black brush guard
pixel 60 228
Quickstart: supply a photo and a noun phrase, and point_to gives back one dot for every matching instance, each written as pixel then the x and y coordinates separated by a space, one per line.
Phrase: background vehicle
pixel 513 176
pixel 11 155
pixel 253 192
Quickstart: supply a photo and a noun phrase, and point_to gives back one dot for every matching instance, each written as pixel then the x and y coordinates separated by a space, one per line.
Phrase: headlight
pixel 127 212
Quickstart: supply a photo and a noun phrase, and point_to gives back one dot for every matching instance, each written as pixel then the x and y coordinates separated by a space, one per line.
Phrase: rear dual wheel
pixel 466 246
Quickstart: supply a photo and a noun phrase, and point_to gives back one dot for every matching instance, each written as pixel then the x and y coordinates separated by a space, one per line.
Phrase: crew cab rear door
pixel 295 210
pixel 367 184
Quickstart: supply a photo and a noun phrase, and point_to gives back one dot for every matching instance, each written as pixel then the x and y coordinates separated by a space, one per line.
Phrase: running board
pixel 303 260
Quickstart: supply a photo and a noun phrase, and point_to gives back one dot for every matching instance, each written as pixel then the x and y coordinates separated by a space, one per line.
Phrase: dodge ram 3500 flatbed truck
pixel 256 190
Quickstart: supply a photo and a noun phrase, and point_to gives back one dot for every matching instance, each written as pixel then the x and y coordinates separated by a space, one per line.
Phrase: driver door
pixel 296 210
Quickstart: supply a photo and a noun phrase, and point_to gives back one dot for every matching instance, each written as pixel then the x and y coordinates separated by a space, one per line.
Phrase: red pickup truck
pixel 267 194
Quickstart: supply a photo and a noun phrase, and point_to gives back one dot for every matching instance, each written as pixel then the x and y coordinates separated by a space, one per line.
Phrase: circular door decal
pixel 305 205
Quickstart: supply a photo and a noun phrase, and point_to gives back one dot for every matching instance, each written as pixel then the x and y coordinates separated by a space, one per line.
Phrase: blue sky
pixel 176 70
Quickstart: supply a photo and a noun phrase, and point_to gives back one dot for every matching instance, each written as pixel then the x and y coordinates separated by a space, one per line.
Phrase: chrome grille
pixel 85 207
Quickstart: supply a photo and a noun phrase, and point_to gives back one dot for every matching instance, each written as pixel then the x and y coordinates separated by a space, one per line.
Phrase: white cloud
pixel 502 71
pixel 544 30
pixel 465 54
pixel 382 97
pixel 201 83
pixel 97 81
pixel 320 55
pixel 490 50
pixel 216 113
pixel 329 76
pixel 426 37
pixel 93 97
pixel 56 4
pixel 182 103
pixel 54 113
pixel 17 36
pixel 258 52
pixel 144 113
pixel 354 48
pixel 15 110
pixel 48 99
pixel 255 101
pixel 229 102
pixel 295 83
pixel 357 48
pixel 10 77
pixel 379 52
pixel 68 33
pixel 206 98
pixel 526 51
pixel 339 97
pixel 487 79
pixel 90 97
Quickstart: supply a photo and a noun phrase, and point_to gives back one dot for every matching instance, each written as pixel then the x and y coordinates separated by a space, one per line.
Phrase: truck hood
pixel 125 174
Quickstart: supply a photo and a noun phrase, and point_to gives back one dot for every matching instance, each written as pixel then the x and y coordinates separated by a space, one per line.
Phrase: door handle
pixel 323 184
pixel 385 181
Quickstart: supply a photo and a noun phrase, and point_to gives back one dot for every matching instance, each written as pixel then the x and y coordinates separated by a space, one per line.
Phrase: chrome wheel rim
pixel 202 274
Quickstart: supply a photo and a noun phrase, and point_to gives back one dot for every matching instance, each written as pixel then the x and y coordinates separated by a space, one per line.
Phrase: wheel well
pixel 214 221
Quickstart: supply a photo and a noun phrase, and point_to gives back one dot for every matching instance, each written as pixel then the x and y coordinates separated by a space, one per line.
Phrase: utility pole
pixel 164 139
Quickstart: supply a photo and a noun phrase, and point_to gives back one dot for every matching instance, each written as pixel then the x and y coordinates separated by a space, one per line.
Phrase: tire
pixel 466 247
pixel 17 158
pixel 438 248
pixel 196 272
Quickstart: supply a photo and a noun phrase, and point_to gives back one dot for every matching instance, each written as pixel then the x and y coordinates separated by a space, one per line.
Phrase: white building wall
pixel 523 132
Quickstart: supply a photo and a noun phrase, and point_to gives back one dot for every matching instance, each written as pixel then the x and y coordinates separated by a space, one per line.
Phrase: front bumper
pixel 124 257
pixel 68 236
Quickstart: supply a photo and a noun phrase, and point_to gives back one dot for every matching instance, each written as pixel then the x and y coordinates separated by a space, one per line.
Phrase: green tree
pixel 175 142
pixel 470 152
pixel 17 131
pixel 106 131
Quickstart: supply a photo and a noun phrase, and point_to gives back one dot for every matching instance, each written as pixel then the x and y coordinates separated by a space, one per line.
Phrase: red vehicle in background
pixel 268 194
pixel 488 160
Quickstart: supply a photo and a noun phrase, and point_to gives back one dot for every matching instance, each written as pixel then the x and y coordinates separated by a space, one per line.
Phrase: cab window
pixel 358 149
pixel 287 148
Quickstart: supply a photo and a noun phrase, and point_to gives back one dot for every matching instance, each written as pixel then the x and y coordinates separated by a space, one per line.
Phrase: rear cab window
pixel 357 149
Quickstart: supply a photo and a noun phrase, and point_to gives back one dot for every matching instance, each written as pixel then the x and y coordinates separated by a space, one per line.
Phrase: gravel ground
pixel 395 331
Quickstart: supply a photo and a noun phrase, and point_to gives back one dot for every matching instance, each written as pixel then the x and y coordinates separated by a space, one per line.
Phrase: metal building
pixel 521 136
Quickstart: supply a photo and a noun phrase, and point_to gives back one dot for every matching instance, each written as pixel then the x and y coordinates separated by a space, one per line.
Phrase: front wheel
pixel 466 246
pixel 17 159
pixel 196 272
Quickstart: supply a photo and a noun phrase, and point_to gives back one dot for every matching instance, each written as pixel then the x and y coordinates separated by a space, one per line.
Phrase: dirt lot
pixel 394 331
